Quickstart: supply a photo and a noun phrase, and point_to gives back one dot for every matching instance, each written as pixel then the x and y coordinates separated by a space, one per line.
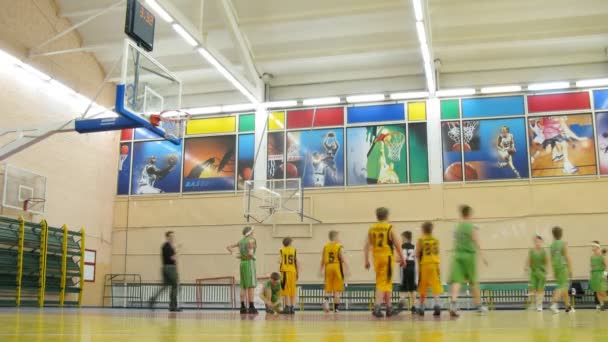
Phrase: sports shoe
pixel 292 310
pixel 570 309
pixel 554 308
pixel 243 310
pixel 603 308
pixel 436 310
pixel 454 313
pixel 176 310
pixel 377 313
pixel 326 306
pixel 539 308
pixel 420 312
pixel 482 310
pixel 252 311
pixel 558 157
pixel 413 309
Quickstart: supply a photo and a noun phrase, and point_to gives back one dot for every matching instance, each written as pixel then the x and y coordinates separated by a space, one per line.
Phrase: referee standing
pixel 169 272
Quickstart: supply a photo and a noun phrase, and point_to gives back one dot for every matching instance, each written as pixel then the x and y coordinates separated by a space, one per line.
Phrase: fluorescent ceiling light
pixel 549 86
pixel 321 101
pixel 592 83
pixel 421 32
pixel 426 54
pixel 418 10
pixel 9 59
pixel 455 92
pixel 428 70
pixel 501 89
pixel 281 104
pixel 159 10
pixel 365 98
pixel 411 95
pixel 36 72
pixel 187 37
pixel 204 110
pixel 227 75
pixel 238 107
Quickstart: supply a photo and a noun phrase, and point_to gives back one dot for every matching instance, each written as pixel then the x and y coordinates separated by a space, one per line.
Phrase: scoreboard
pixel 139 24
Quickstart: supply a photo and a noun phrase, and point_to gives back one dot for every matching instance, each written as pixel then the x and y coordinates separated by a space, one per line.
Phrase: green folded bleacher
pixel 39 265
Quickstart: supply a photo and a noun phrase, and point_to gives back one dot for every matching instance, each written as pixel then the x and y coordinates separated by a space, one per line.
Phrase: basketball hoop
pixel 124 154
pixel 394 141
pixel 468 130
pixel 172 121
pixel 32 202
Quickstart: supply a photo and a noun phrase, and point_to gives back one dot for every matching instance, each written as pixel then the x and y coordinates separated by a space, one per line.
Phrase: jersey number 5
pixel 288 259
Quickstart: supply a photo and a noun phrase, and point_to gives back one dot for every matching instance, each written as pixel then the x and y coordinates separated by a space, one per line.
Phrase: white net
pixel 454 132
pixel 174 123
pixel 394 143
pixel 468 130
pixel 262 199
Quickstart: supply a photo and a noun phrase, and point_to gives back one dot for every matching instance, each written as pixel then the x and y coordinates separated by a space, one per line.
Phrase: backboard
pixel 146 87
pixel 263 199
pixel 20 187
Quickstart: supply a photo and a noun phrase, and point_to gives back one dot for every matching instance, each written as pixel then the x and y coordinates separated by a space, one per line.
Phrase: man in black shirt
pixel 408 274
pixel 169 271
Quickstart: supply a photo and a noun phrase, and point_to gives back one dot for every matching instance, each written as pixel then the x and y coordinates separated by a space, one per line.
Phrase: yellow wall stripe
pixel 211 125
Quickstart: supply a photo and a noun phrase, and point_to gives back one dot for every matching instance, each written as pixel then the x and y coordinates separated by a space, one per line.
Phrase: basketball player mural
pixel 555 137
pixel 324 165
pixel 505 146
pixel 151 173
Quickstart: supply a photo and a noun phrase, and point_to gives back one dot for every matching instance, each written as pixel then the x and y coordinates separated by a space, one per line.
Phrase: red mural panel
pixel 558 102
pixel 323 118
pixel 126 134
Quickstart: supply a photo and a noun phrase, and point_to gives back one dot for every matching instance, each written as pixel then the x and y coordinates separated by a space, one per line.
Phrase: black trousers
pixel 170 279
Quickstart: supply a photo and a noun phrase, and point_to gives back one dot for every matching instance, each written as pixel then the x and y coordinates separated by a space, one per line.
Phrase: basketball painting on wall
pixel 496 149
pixel 209 163
pixel 156 167
pixel 451 137
pixel 376 155
pixel 317 156
pixel 276 157
pixel 562 145
pixel 124 169
pixel 601 123
pixel 246 158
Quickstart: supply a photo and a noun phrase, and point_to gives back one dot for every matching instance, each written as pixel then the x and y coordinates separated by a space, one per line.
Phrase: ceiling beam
pixel 239 38
pixel 254 87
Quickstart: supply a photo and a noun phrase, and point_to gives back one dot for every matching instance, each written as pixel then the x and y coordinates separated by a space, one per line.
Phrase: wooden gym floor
pixel 142 325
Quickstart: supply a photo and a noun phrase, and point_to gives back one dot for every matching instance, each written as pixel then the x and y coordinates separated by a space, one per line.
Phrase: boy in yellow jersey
pixel 332 260
pixel 380 241
pixel 289 273
pixel 427 253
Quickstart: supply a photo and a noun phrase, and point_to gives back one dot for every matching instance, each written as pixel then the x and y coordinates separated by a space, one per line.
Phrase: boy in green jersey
pixel 464 261
pixel 562 270
pixel 271 294
pixel 247 246
pixel 597 280
pixel 537 263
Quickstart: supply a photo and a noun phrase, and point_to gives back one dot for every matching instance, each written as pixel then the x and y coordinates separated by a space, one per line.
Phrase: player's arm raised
pixel 475 237
pixel 230 248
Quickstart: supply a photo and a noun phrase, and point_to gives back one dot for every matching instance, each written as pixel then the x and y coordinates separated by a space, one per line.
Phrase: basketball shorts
pixel 248 277
pixel 288 284
pixel 408 279
pixel 597 282
pixel 429 277
pixel 464 268
pixel 383 265
pixel 334 278
pixel 503 154
pixel 537 281
pixel 561 278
